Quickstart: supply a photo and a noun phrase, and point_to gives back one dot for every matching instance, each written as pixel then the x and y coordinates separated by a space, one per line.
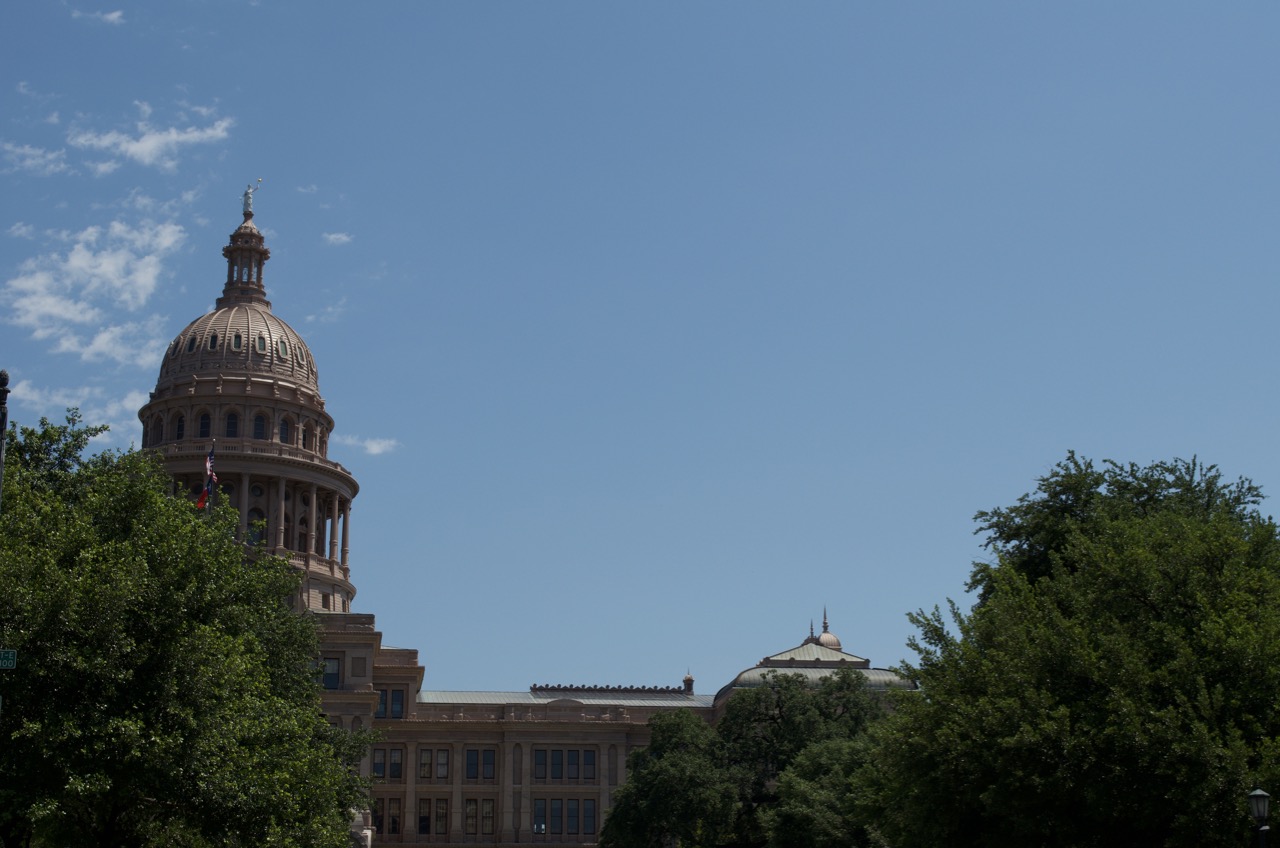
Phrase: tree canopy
pixel 744 781
pixel 165 693
pixel 1117 683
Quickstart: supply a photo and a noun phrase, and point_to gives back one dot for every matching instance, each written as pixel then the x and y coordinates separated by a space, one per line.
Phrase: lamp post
pixel 4 420
pixel 1259 806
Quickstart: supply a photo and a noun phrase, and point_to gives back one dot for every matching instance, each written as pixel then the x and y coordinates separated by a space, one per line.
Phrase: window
pixel 424 815
pixel 158 427
pixel 284 431
pixel 571 815
pixel 393 816
pixel 397 703
pixel 573 764
pixel 395 764
pixel 261 344
pixel 191 344
pixel 487 758
pixel 379 769
pixel 473 764
pixel 180 428
pixel 205 425
pixel 588 765
pixel 442 816
pixel 237 341
pixel 424 763
pixel 326 600
pixel 557 815
pixel 539 815
pixel 283 347
pixel 306 437
pixel 379 813
pixel 213 341
pixel 442 764
pixel 486 816
pixel 588 815
pixel 470 814
pixel 259 426
pixel 540 764
pixel 381 711
pixel 331 674
pixel 557 766
pixel 233 425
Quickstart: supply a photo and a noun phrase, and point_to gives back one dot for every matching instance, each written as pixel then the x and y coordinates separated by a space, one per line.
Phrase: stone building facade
pixel 492 768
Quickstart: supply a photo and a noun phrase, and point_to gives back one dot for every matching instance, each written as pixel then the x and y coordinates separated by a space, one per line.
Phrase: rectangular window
pixel 588 765
pixel 393 816
pixel 473 764
pixel 332 674
pixel 471 816
pixel 487 758
pixel 539 764
pixel 588 815
pixel 424 815
pixel 424 763
pixel 557 765
pixel 379 814
pixel 395 764
pixel 381 711
pixel 442 816
pixel 571 815
pixel 486 816
pixel 379 769
pixel 397 703
pixel 557 815
pixel 573 764
pixel 539 815
pixel 442 764
pixel 326 600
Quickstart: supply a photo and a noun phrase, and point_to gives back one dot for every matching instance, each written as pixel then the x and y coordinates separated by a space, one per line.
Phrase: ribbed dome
pixel 241 338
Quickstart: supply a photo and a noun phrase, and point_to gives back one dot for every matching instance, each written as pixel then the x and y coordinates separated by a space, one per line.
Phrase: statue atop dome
pixel 248 196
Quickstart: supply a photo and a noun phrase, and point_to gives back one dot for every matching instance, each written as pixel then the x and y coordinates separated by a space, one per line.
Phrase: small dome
pixel 241 338
pixel 827 639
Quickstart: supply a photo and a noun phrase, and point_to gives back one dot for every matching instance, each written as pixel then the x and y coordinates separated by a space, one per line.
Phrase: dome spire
pixel 246 254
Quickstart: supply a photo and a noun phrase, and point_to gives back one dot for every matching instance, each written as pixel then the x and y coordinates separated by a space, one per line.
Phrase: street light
pixel 1259 806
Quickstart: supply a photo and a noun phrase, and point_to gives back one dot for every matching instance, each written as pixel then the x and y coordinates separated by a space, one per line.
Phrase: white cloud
pixel 330 313
pixel 59 296
pixel 153 147
pixel 21 230
pixel 119 412
pixel 373 447
pixel 144 108
pixel 33 160
pixel 308 189
pixel 53 118
pixel 114 18
pixel 101 169
pixel 337 238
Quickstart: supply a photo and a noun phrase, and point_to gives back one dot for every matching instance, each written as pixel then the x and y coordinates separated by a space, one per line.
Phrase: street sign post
pixel 8 659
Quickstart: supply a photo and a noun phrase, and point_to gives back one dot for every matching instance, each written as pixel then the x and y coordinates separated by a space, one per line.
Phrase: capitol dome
pixel 244 338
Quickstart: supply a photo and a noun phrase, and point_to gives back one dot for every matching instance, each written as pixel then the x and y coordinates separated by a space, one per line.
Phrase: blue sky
pixel 652 329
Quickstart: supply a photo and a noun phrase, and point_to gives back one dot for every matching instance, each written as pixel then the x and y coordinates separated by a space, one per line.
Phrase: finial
pixel 824 618
pixel 248 198
pixel 811 628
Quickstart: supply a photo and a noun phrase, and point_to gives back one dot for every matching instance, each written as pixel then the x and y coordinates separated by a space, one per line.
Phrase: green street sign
pixel 8 659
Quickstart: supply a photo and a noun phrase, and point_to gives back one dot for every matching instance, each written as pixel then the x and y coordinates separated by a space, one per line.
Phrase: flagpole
pixel 210 478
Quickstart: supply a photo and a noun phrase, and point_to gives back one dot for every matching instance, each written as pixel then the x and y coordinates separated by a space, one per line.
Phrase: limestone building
pixel 496 768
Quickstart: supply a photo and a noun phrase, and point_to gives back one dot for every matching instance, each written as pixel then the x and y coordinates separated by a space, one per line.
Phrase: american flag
pixel 209 480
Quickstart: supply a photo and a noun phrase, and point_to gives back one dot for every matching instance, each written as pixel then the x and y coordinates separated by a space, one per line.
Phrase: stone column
pixel 311 524
pixel 333 527
pixel 280 515
pixel 346 533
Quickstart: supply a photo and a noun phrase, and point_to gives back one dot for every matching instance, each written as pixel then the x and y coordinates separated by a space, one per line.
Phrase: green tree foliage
pixel 165 694
pixel 1118 683
pixel 698 787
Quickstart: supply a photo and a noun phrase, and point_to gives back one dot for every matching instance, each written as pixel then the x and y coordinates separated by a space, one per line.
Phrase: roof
pixel 597 697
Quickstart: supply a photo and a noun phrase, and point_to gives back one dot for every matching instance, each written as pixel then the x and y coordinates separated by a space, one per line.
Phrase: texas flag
pixel 209 480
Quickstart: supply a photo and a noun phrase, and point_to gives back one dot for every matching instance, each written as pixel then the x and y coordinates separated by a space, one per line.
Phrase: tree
pixel 700 787
pixel 1118 683
pixel 165 693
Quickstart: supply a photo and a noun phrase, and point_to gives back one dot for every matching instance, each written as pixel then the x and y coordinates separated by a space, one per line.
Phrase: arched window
pixel 259 426
pixel 213 341
pixel 157 430
pixel 306 438
pixel 284 431
pixel 233 425
pixel 302 536
pixel 180 428
pixel 284 349
pixel 191 343
pixel 262 343
pixel 237 341
pixel 205 425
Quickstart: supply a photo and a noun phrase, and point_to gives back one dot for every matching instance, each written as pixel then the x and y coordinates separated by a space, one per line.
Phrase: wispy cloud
pixel 329 314
pixel 60 296
pixel 22 230
pixel 153 147
pixel 373 447
pixel 119 412
pixel 337 238
pixel 115 18
pixel 33 160
pixel 308 189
